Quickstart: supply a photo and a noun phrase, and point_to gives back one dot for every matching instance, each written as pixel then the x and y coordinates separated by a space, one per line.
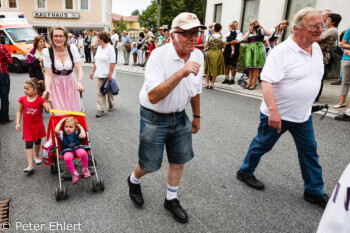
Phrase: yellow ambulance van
pixel 18 36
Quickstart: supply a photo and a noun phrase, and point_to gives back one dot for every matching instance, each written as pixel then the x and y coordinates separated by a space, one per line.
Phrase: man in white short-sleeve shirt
pixel 115 40
pixel 291 79
pixel 173 78
pixel 335 218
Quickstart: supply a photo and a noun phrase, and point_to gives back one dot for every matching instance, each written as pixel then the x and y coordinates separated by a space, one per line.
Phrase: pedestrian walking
pixel 115 41
pixel 60 81
pixel 87 47
pixel 214 61
pixel 35 58
pixel 30 107
pixel 291 79
pixel 173 78
pixel 5 61
pixel 103 69
pixel 126 43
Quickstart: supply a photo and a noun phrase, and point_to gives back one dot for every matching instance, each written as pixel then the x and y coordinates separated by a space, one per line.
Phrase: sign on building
pixel 58 15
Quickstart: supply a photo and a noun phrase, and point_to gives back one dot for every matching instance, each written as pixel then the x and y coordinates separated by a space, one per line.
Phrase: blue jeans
pixel 4 96
pixel 157 130
pixel 116 55
pixel 304 138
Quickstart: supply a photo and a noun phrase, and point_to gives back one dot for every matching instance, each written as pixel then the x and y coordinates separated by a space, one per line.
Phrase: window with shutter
pixel 250 12
pixel 12 4
pixel 292 8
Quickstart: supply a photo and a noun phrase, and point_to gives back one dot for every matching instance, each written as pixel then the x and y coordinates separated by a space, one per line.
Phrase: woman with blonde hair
pixel 255 53
pixel 60 81
pixel 276 33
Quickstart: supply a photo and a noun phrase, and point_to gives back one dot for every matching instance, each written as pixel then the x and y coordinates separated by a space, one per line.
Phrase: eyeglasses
pixel 316 27
pixel 189 34
pixel 58 36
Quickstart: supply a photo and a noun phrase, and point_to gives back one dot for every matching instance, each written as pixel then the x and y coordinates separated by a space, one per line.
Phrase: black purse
pixel 336 53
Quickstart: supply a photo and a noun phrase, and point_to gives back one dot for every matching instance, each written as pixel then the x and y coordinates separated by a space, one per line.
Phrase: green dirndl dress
pixel 214 62
pixel 255 53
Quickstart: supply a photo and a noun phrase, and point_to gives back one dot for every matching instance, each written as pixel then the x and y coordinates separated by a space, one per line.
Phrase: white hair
pixel 175 34
pixel 299 18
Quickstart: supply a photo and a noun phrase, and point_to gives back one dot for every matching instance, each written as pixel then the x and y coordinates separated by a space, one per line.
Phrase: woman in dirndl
pixel 255 53
pixel 214 61
pixel 60 81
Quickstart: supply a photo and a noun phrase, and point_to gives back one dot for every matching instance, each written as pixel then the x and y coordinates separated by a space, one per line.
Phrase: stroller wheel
pixel 94 186
pixel 102 185
pixel 64 193
pixel 57 194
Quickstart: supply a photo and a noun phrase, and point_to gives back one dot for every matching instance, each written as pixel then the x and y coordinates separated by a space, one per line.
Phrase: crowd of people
pixel 296 62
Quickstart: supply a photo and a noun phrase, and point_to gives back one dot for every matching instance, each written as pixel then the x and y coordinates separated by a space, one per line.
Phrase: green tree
pixel 148 17
pixel 122 26
pixel 135 12
pixel 171 8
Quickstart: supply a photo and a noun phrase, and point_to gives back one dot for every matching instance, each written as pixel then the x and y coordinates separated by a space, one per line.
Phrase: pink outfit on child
pixel 63 88
pixel 69 156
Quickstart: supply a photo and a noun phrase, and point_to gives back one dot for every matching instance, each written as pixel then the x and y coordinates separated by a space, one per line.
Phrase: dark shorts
pixel 232 61
pixel 158 130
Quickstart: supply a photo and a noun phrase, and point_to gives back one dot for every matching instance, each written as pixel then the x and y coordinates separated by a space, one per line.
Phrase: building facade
pixel 269 13
pixel 132 25
pixel 75 15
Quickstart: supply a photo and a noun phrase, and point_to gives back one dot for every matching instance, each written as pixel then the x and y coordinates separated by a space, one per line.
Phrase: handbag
pixel 336 53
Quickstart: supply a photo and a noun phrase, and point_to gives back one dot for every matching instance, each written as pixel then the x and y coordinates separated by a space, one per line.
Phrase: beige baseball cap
pixel 186 21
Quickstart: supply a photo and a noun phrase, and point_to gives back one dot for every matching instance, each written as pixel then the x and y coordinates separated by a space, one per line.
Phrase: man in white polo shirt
pixel 173 78
pixel 291 79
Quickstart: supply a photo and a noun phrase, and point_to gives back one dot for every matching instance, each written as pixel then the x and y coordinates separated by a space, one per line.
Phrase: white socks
pixel 347 112
pixel 171 192
pixel 134 180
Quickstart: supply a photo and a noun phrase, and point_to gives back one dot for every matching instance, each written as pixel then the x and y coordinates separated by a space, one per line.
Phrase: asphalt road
pixel 214 199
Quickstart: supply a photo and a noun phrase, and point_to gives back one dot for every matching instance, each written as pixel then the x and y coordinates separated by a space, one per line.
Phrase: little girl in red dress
pixel 30 107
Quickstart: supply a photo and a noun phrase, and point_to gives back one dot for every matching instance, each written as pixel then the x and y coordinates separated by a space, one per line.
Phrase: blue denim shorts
pixel 156 130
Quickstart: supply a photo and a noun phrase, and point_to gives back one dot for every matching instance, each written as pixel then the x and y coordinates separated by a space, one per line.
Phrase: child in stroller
pixel 72 147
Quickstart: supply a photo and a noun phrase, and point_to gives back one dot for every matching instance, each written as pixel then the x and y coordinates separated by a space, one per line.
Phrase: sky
pixel 126 7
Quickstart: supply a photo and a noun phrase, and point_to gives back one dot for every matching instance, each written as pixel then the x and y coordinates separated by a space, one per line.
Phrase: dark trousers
pixel 4 96
pixel 304 138
pixel 327 69
pixel 87 52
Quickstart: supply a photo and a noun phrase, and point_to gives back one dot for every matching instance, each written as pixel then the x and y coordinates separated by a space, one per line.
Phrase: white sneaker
pixel 339 106
pixel 100 113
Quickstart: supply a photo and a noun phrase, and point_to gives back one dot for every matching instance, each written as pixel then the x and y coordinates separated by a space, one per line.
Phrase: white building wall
pixel 271 12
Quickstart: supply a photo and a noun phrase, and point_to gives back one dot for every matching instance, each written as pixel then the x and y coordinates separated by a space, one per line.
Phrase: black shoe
pixel 320 200
pixel 232 81
pixel 176 210
pixel 343 117
pixel 251 181
pixel 225 81
pixel 135 193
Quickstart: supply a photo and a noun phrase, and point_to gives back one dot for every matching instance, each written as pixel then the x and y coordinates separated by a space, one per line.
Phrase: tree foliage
pixel 169 10
pixel 135 12
pixel 149 16
pixel 122 26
